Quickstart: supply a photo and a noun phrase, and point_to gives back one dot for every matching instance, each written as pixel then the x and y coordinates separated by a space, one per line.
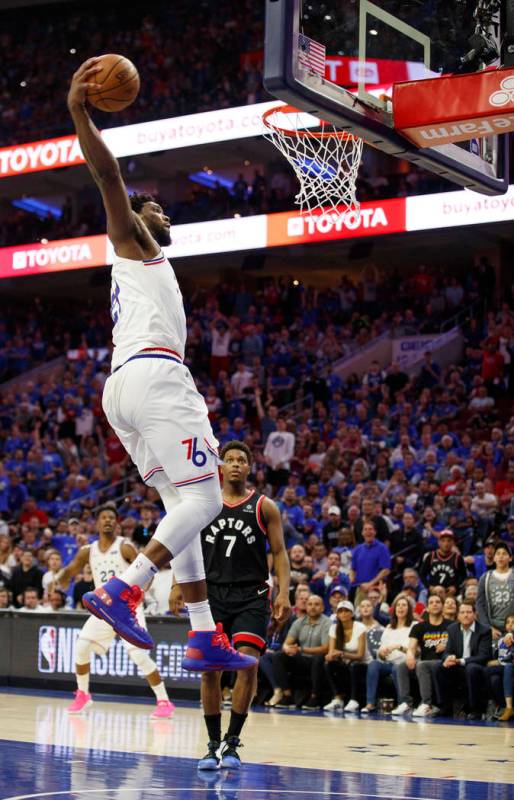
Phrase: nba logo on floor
pixel 47 650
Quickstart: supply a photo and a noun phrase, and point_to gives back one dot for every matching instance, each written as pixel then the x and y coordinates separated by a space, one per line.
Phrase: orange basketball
pixel 119 81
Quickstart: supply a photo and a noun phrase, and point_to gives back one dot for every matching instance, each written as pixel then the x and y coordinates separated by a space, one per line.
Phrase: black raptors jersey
pixel 234 544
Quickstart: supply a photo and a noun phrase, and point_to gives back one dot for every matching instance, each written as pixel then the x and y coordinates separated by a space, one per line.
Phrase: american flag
pixel 311 54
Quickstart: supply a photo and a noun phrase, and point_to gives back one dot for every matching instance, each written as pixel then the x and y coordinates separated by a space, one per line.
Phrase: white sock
pixel 140 572
pixel 200 616
pixel 160 691
pixel 83 682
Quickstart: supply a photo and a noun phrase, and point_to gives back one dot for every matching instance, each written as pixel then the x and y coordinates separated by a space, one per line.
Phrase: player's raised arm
pixel 63 578
pixel 122 223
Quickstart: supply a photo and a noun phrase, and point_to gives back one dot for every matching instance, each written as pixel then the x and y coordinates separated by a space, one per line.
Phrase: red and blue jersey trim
pixel 165 350
pixel 207 476
pixel 153 352
pixel 152 472
pixel 212 449
pixel 150 262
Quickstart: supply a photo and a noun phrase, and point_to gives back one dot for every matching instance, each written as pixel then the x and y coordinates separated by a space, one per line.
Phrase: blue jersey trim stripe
pixel 147 355
pixel 153 355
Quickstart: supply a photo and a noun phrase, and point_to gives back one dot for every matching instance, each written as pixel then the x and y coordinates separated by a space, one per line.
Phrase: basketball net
pixel 325 160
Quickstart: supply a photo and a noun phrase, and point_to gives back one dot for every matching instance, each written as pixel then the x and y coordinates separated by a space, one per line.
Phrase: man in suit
pixel 468 650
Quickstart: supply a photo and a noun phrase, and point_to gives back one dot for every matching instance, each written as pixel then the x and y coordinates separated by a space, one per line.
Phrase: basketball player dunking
pixel 235 552
pixel 109 556
pixel 151 402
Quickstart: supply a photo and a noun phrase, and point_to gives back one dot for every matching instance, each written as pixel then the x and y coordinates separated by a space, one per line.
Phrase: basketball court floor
pixel 115 752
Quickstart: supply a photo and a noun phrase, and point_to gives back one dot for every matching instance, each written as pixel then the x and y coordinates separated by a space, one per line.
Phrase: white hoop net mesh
pixel 326 164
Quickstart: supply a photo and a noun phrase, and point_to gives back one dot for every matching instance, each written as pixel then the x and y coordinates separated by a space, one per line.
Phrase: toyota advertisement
pixel 43 646
pixel 401 215
pixel 222 125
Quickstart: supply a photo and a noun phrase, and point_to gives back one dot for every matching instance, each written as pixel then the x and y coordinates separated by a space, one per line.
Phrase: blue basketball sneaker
pixel 116 602
pixel 210 651
pixel 210 760
pixel 229 755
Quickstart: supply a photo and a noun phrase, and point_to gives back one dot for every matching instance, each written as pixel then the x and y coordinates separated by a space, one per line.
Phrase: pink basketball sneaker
pixel 164 710
pixel 82 701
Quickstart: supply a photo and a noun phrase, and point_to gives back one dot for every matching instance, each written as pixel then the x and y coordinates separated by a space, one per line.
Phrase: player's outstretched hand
pixel 176 600
pixel 83 79
pixel 282 608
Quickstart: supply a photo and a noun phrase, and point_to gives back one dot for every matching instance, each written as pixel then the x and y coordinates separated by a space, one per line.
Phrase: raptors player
pixel 235 547
pixel 108 557
pixel 152 404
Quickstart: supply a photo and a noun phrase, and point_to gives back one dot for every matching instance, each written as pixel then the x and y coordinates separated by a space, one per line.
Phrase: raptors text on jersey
pixel 234 544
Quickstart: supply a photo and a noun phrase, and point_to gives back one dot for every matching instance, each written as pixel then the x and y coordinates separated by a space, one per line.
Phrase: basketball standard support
pixel 287 81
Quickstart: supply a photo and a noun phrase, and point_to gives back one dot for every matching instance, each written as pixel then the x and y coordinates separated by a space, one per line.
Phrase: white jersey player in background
pixel 109 556
pixel 153 405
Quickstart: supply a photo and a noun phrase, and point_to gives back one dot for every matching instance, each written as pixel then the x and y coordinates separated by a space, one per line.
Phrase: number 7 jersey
pixel 109 564
pixel 235 543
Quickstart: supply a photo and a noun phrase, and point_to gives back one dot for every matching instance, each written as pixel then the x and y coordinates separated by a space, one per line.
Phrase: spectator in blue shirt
pixel 17 494
pixel 293 481
pixel 311 524
pixel 290 507
pixel 371 562
pixel 4 490
pixel 66 543
pixel 430 373
pixel 17 463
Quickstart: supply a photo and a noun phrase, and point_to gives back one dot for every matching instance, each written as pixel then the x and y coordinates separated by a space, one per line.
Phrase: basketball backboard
pixel 368 47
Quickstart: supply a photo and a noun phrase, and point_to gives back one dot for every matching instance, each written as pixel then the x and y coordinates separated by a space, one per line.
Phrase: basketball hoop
pixel 325 160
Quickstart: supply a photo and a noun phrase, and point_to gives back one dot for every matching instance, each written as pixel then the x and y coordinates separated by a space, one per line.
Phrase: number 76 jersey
pixel 109 564
pixel 235 543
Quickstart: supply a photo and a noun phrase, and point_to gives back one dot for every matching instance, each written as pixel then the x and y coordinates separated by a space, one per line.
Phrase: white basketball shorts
pixel 161 419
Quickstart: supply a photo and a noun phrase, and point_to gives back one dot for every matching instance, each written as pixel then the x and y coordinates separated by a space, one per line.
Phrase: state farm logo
pixel 50 256
pixel 363 71
pixel 325 224
pixel 505 94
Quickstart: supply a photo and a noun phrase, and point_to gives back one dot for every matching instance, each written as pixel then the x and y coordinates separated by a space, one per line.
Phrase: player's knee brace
pixel 188 566
pixel 199 504
pixel 169 495
pixel 205 498
pixel 83 650
pixel 142 660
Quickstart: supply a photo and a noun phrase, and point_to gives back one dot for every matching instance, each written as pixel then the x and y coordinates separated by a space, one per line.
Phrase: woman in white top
pixel 393 650
pixel 7 559
pixel 346 646
pixel 374 633
pixel 54 564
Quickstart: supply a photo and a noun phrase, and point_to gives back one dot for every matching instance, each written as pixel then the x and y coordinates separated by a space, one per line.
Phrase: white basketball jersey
pixel 146 307
pixel 107 565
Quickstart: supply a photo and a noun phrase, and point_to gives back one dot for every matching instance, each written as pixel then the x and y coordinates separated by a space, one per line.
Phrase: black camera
pixel 482 50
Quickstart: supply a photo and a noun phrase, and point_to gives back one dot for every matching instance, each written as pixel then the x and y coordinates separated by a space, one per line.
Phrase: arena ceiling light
pixel 38 207
pixel 210 179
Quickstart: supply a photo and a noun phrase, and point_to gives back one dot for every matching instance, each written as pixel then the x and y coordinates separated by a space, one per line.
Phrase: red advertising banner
pixel 57 256
pixel 348 71
pixel 374 219
pixel 455 108
pixel 37 156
